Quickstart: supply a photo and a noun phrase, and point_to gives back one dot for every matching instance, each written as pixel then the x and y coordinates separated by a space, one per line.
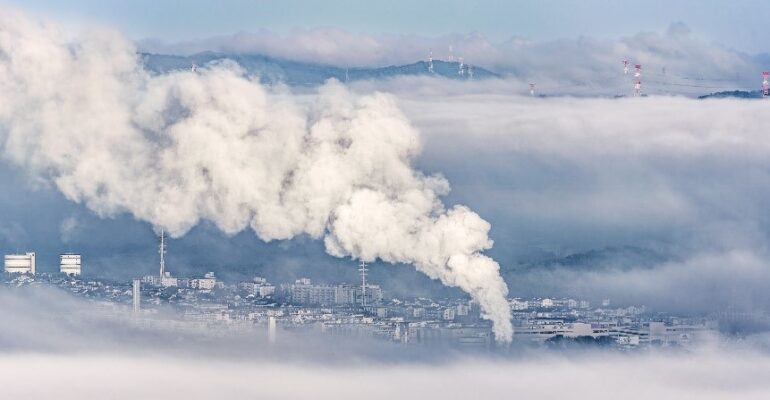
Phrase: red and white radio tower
pixel 625 67
pixel 638 80
pixel 765 84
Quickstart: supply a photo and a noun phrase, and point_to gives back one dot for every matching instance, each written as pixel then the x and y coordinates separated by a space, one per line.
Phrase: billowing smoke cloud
pixel 212 145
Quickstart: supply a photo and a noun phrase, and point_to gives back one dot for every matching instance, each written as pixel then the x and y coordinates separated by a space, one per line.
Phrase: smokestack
pixel 362 268
pixel 271 329
pixel 179 148
pixel 137 295
pixel 638 81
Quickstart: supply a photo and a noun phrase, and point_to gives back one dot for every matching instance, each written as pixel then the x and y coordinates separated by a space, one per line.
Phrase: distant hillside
pixel 615 258
pixel 271 70
pixel 740 94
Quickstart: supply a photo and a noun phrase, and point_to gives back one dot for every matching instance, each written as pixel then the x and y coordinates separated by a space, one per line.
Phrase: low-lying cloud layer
pixel 713 375
pixel 675 61
pixel 81 349
pixel 685 179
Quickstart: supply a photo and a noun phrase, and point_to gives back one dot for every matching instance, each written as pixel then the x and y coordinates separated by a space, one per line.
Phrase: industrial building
pixel 166 280
pixel 208 282
pixel 20 263
pixel 69 263
pixel 258 288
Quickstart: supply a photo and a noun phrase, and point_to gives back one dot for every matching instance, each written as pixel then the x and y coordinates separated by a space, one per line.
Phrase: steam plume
pixel 214 145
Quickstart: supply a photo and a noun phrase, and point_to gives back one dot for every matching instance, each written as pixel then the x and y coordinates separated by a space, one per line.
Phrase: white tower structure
pixel 461 69
pixel 451 56
pixel 137 295
pixel 765 84
pixel 272 329
pixel 362 268
pixel 531 89
pixel 430 61
pixel 20 263
pixel 162 252
pixel 638 80
pixel 69 263
pixel 625 67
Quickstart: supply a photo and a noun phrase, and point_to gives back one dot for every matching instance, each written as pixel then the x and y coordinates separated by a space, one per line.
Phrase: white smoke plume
pixel 213 145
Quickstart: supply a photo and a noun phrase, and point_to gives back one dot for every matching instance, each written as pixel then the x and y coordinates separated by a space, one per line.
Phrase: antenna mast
pixel 162 251
pixel 363 269
pixel 430 61
pixel 625 67
pixel 531 89
pixel 765 84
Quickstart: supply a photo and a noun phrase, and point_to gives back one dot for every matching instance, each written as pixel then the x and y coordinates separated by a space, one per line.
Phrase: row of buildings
pixel 207 282
pixel 69 263
pixel 631 330
pixel 519 304
pixel 304 292
pixel 458 322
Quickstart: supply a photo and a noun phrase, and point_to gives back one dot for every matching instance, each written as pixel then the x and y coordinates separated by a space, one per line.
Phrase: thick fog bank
pixel 711 375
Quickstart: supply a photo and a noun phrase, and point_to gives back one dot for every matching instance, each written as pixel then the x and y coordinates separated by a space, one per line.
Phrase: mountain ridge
pixel 296 73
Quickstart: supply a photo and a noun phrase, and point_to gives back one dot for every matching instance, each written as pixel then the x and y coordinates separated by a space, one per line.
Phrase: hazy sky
pixel 739 24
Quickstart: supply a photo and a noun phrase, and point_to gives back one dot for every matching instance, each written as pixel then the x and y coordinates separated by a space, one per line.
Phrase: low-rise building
pixel 208 282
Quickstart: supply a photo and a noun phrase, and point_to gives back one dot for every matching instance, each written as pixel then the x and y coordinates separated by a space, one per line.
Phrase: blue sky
pixel 738 24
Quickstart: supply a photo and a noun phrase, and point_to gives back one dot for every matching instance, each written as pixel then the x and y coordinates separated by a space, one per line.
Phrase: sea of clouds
pixel 682 178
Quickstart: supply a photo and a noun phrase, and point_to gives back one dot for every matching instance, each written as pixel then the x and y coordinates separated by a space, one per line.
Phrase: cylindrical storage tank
pixel 20 263
pixel 69 264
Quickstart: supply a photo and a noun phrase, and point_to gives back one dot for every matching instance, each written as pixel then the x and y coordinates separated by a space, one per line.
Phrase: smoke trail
pixel 178 148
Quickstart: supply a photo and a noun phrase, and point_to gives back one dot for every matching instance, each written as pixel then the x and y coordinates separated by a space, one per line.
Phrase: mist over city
pixel 417 200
